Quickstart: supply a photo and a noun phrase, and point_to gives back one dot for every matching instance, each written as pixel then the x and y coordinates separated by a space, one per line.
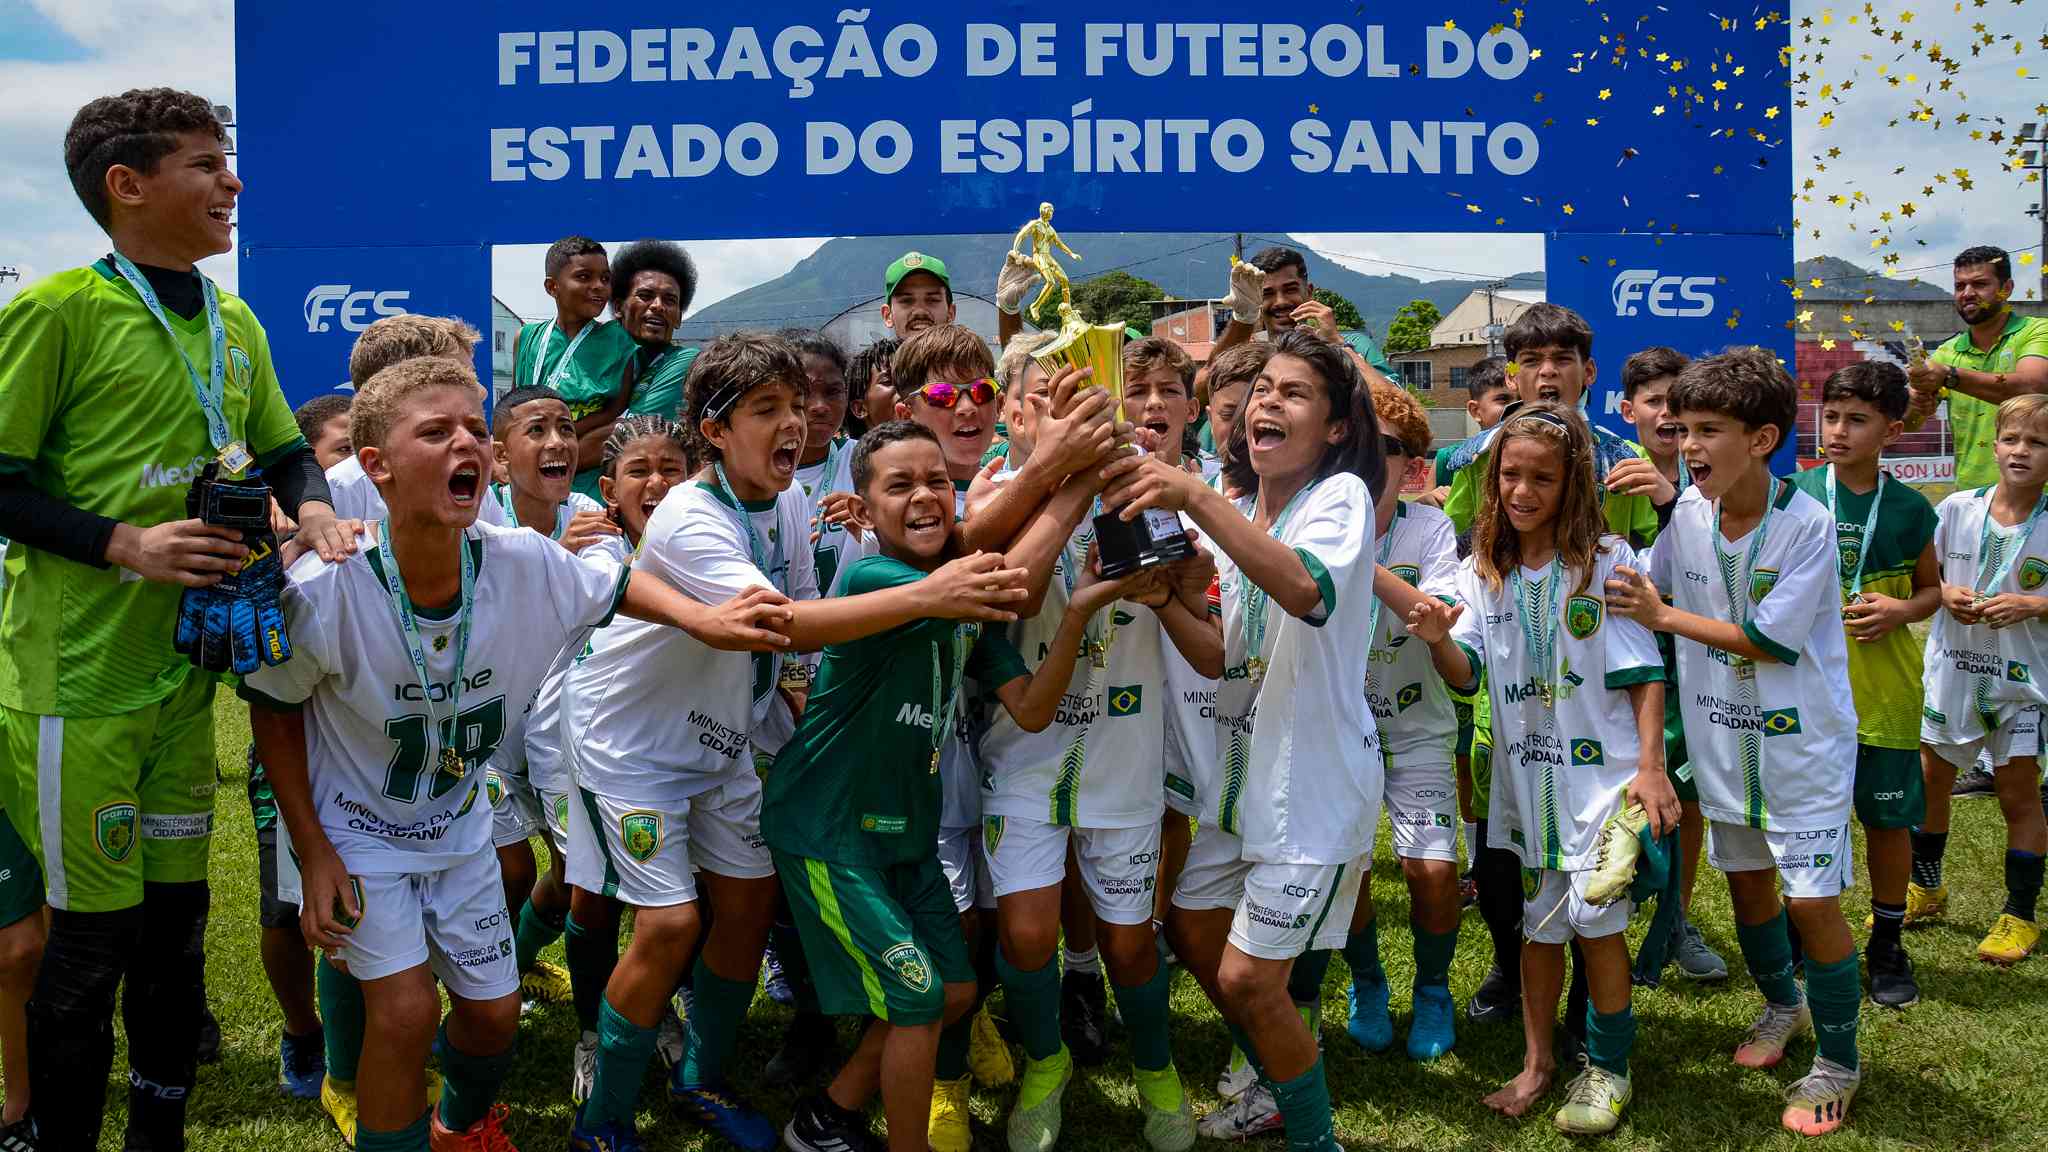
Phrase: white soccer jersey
pixel 1408 699
pixel 371 742
pixel 1559 764
pixel 959 775
pixel 544 765
pixel 1100 763
pixel 501 501
pixel 1301 776
pixel 1190 722
pixel 836 548
pixel 1773 744
pixel 357 498
pixel 1974 669
pixel 652 715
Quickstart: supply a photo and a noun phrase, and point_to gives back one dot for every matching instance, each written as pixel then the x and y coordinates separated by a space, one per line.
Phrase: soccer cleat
pixel 302 1065
pixel 717 1109
pixel 1495 999
pixel 338 1100
pixel 1369 1025
pixel 819 1125
pixel 19 1136
pixel 1593 1102
pixel 1084 1011
pixel 1432 1032
pixel 1974 781
pixel 486 1135
pixel 1250 1113
pixel 670 1040
pixel 1614 865
pixel 949 1130
pixel 1695 959
pixel 1238 1075
pixel 583 1069
pixel 775 980
pixel 1169 1118
pixel 610 1136
pixel 1765 1044
pixel 988 1054
pixel 1891 976
pixel 2010 940
pixel 544 983
pixel 809 1047
pixel 1468 889
pixel 1921 904
pixel 1818 1102
pixel 1035 1120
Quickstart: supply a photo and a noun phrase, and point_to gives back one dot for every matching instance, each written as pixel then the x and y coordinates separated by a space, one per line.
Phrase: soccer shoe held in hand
pixel 1622 841
pixel 235 625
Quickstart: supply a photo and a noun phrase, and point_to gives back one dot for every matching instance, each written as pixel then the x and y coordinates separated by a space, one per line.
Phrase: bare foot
pixel 1517 1096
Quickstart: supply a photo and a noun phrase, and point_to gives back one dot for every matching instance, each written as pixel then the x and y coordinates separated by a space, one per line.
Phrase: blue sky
pixel 57 54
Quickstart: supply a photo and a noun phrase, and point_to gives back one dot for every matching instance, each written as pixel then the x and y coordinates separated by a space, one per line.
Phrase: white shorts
pixel 453 919
pixel 1119 866
pixel 1283 910
pixel 1811 865
pixel 554 813
pixel 960 859
pixel 1422 806
pixel 2019 736
pixel 515 810
pixel 1544 922
pixel 646 857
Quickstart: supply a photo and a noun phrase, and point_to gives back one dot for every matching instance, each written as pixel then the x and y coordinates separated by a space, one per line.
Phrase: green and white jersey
pixel 588 378
pixel 859 782
pixel 1975 670
pixel 97 410
pixel 658 387
pixel 1975 422
pixel 1101 762
pixel 373 742
pixel 1885 674
pixel 1190 717
pixel 1773 744
pixel 652 715
pixel 544 763
pixel 836 549
pixel 1408 698
pixel 1300 775
pixel 1564 736
pixel 1630 517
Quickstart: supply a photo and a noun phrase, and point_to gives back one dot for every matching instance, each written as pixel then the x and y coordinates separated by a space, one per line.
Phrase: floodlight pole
pixel 2036 158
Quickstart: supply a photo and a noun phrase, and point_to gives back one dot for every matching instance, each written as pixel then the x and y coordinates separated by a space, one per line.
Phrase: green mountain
pixel 1841 280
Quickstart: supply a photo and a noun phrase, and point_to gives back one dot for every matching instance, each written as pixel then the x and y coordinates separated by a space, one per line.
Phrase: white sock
pixel 1089 961
pixel 1472 844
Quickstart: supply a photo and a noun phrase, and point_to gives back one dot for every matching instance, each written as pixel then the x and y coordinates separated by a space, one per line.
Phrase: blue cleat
pixel 1370 1026
pixel 610 1136
pixel 1432 1033
pixel 301 1065
pixel 715 1108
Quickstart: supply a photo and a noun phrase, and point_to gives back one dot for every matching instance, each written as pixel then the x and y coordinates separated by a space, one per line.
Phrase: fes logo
pixel 1582 616
pixel 2033 572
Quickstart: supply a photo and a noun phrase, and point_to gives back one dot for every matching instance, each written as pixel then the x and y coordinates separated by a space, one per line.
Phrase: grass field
pixel 1966 1068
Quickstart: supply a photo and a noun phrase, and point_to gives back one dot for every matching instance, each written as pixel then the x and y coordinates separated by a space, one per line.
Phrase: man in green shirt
pixel 120 383
pixel 1999 356
pixel 577 352
pixel 652 282
pixel 852 805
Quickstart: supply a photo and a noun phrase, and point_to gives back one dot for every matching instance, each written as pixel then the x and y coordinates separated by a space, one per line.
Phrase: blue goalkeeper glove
pixel 236 625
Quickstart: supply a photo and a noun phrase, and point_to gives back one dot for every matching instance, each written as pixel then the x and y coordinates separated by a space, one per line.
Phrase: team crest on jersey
pixel 2018 673
pixel 113 829
pixel 908 962
pixel 1586 752
pixel 1409 573
pixel 1761 582
pixel 1781 722
pixel 1128 700
pixel 2033 572
pixel 640 832
pixel 238 363
pixel 1408 697
pixel 1849 551
pixel 1532 882
pixel 1582 615
pixel 494 788
pixel 440 643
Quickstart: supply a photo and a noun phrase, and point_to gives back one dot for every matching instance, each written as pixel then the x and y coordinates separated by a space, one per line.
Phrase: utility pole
pixel 1494 347
pixel 2036 158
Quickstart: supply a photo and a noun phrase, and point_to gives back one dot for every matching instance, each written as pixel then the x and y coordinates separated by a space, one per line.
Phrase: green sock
pixel 1433 952
pixel 411 1138
pixel 623 1050
pixel 1610 1036
pixel 1034 999
pixel 1147 1019
pixel 1362 955
pixel 1767 949
pixel 537 930
pixel 717 1008
pixel 1243 1043
pixel 954 1041
pixel 1835 992
pixel 469 1083
pixel 591 961
pixel 341 1015
pixel 1305 1106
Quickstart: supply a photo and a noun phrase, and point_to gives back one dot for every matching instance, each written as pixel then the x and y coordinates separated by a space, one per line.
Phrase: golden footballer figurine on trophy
pixel 1156 536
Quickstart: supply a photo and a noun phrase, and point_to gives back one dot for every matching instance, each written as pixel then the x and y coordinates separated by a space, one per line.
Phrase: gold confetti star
pixel 1450 25
pixel 1606 92
pixel 1806 316
pixel 1569 210
pixel 1771 113
pixel 1827 345
pixel 1657 111
pixel 1312 109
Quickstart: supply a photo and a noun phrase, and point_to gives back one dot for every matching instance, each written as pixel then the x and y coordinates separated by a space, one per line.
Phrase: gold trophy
pixel 1156 536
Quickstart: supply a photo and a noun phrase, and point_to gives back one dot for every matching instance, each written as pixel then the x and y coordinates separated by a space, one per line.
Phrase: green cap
pixel 914 262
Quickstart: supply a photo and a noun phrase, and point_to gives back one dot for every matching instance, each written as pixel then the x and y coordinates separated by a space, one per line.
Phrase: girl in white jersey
pixel 1577 700
pixel 1296 797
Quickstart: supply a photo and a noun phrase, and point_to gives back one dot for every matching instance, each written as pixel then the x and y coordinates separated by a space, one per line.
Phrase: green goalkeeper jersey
pixel 97 410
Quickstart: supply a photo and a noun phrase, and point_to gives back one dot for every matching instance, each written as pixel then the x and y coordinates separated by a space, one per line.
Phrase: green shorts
pixel 880 942
pixel 1889 793
pixel 108 802
pixel 21 879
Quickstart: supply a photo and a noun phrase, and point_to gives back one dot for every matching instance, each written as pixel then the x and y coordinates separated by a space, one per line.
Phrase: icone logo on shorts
pixel 352 309
pixel 1667 296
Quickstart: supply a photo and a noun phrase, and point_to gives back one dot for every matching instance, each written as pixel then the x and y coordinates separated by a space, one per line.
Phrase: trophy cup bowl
pixel 1156 536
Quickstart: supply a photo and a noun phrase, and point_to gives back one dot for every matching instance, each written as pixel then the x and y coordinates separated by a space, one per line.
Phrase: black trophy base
pixel 1123 547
